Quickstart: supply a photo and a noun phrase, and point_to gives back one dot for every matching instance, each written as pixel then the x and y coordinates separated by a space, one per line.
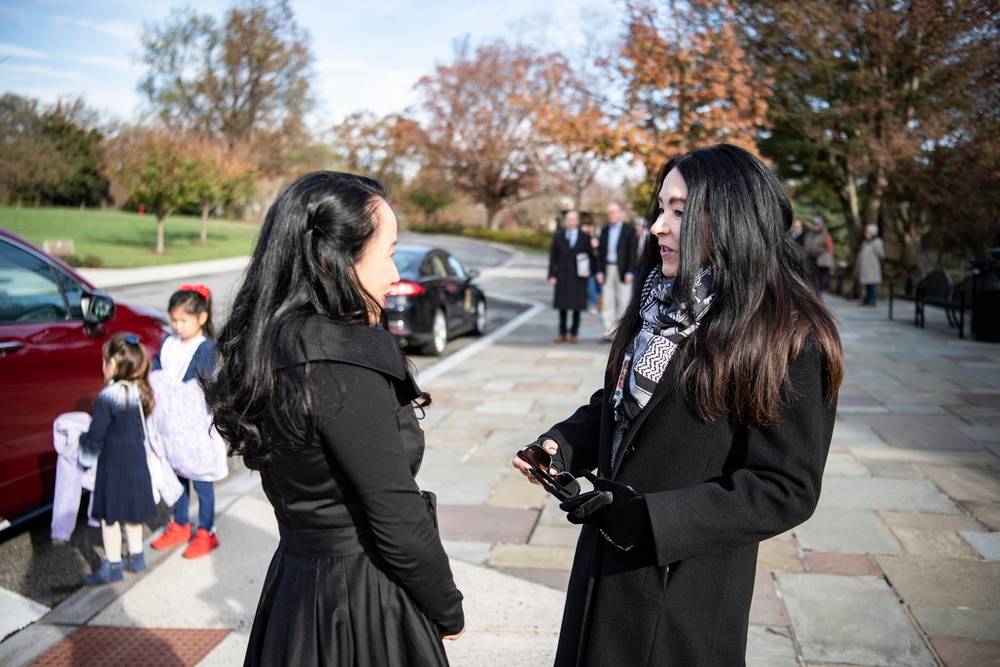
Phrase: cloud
pixel 103 61
pixel 11 50
pixel 39 71
pixel 119 29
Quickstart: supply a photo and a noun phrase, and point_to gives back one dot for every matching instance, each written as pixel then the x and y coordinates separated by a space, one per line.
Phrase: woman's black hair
pixel 195 304
pixel 304 264
pixel 735 220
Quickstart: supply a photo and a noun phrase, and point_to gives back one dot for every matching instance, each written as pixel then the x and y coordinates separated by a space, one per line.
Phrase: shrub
pixel 517 237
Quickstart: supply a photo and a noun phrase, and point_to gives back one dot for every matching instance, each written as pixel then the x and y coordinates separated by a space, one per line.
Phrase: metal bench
pixel 937 289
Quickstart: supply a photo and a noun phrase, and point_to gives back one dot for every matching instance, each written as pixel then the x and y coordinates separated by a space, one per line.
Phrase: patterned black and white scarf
pixel 664 327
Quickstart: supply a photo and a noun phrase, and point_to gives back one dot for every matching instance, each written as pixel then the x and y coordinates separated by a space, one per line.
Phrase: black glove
pixel 617 510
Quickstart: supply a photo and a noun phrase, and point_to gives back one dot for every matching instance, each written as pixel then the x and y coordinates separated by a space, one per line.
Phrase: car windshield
pixel 407 260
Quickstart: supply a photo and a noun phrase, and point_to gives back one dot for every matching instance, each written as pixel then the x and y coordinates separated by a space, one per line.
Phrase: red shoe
pixel 202 543
pixel 176 534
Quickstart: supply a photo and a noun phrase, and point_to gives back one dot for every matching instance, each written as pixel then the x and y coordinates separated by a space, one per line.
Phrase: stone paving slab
pixel 476 553
pixel 557 579
pixel 892 470
pixel 986 513
pixel 779 555
pixel 885 494
pixel 965 482
pixel 509 621
pixel 971 623
pixel 466 493
pixel 943 582
pixel 522 555
pixel 929 521
pixel 987 544
pixel 967 652
pixel 981 433
pixel 925 436
pixel 848 565
pixel 770 647
pixel 556 536
pixel 849 620
pixel 842 464
pixel 915 456
pixel 858 531
pixel 936 543
pixel 514 492
pixel 847 432
pixel 477 523
pixel 766 608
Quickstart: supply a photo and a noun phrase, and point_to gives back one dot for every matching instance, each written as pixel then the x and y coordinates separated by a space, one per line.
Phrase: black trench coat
pixel 570 290
pixel 713 491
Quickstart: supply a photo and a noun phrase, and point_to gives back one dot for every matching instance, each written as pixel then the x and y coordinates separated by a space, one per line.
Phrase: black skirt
pixel 328 599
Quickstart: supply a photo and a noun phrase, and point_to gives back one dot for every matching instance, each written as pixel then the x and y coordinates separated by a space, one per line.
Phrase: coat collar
pixel 370 347
pixel 666 386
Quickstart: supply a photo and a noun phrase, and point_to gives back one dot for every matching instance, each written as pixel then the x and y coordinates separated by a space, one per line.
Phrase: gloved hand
pixel 617 510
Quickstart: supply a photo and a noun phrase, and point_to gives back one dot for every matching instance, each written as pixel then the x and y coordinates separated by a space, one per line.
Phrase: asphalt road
pixel 36 568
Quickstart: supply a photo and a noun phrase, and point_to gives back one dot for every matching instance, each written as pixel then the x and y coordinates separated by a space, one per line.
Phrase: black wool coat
pixel 627 246
pixel 570 289
pixel 681 597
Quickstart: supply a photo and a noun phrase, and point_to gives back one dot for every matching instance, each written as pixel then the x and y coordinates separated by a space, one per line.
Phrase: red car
pixel 52 326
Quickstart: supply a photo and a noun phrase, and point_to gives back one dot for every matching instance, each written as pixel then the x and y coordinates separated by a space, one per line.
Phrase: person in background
pixel 710 432
pixel 818 246
pixel 615 266
pixel 570 264
pixel 797 233
pixel 123 489
pixel 183 422
pixel 312 390
pixel 593 287
pixel 870 258
pixel 640 235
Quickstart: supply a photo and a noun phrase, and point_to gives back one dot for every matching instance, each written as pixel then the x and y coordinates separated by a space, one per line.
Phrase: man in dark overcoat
pixel 616 258
pixel 570 262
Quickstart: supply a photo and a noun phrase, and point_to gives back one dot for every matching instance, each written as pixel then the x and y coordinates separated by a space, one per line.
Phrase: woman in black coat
pixel 565 275
pixel 313 391
pixel 712 428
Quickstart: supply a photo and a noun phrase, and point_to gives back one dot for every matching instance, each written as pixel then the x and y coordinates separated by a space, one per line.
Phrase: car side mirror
pixel 100 309
pixel 473 273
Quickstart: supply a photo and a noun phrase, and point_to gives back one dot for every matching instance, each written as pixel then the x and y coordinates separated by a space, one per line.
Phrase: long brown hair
pixel 765 303
pixel 131 364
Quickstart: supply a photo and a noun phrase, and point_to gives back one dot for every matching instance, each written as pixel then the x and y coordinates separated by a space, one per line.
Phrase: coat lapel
pixel 666 386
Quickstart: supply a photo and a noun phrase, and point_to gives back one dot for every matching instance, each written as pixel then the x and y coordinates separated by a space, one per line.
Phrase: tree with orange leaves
pixel 217 175
pixel 377 147
pixel 687 82
pixel 575 132
pixel 479 130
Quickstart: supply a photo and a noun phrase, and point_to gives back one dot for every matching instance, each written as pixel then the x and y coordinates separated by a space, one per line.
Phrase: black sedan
pixel 436 299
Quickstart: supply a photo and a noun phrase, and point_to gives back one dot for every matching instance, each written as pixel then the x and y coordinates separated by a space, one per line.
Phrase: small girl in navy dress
pixel 123 490
pixel 184 425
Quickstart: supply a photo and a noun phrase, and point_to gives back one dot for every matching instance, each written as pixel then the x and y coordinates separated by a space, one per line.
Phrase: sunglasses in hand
pixel 563 485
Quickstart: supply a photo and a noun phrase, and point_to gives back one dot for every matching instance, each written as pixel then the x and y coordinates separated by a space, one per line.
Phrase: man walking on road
pixel 615 264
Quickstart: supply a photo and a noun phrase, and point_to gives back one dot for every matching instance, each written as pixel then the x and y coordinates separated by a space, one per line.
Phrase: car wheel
pixel 439 335
pixel 479 328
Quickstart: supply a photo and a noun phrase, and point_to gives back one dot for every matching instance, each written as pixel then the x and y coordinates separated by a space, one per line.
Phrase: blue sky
pixel 368 53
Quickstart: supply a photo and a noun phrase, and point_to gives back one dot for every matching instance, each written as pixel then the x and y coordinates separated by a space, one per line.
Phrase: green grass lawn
pixel 127 240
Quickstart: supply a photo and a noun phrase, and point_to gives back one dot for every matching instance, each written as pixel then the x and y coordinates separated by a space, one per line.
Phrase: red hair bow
pixel 199 288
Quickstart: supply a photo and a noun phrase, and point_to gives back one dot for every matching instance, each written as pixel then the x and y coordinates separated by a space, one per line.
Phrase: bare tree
pixel 479 131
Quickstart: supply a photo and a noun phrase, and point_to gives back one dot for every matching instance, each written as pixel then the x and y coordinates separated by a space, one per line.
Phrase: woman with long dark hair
pixel 712 428
pixel 313 392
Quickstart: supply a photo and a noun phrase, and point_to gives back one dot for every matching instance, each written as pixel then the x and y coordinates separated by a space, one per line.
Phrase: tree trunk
pixel 204 223
pixel 159 232
pixel 490 215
